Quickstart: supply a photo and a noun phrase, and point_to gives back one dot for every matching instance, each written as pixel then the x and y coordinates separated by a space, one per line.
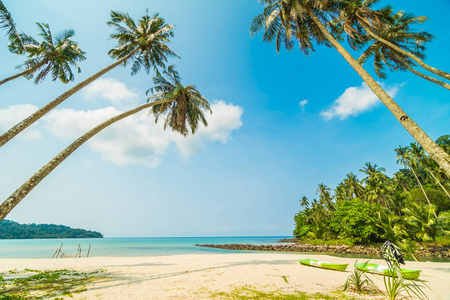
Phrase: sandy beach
pixel 199 276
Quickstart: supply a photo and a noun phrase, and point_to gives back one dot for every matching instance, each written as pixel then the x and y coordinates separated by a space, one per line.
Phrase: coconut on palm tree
pixel 143 45
pixel 183 108
pixel 309 21
pixel 56 55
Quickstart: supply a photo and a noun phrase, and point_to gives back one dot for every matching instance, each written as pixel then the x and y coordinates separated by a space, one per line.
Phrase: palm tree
pixel 341 193
pixel 444 142
pixel 324 196
pixel 178 103
pixel 375 182
pixel 55 55
pixel 404 158
pixel 417 153
pixel 307 21
pixel 304 202
pixel 397 31
pixel 362 17
pixel 7 23
pixel 143 45
pixel 424 219
pixel 353 185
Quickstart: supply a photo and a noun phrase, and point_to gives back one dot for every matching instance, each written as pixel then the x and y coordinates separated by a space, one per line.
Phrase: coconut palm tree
pixel 358 15
pixel 353 185
pixel 404 158
pixel 178 103
pixel 397 30
pixel 143 45
pixel 375 183
pixel 308 21
pixel 304 202
pixel 423 218
pixel 7 23
pixel 55 55
pixel 416 152
pixel 341 193
pixel 324 196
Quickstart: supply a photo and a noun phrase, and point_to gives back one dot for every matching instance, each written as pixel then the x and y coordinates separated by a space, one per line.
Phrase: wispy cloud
pixel 13 114
pixel 113 90
pixel 302 104
pixel 354 101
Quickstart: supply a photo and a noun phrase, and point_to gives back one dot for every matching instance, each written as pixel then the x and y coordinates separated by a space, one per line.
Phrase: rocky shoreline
pixel 332 249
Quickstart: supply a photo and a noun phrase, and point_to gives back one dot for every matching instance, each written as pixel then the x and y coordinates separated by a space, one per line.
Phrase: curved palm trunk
pixel 438 181
pixel 19 127
pixel 408 54
pixel 436 152
pixel 424 76
pixel 34 180
pixel 420 184
pixel 24 73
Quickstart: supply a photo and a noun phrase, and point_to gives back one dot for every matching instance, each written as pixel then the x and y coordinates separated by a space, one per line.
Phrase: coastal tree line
pixel 14 230
pixel 382 35
pixel 410 208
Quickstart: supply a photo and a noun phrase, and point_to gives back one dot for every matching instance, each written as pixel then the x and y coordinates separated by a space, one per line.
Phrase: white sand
pixel 197 276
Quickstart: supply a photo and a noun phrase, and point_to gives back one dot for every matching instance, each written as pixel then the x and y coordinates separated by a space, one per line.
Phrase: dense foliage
pixel 411 207
pixel 14 230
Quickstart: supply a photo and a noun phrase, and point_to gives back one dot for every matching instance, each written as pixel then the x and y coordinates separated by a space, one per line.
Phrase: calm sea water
pixel 45 248
pixel 123 247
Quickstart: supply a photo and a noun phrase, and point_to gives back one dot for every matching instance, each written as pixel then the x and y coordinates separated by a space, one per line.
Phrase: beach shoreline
pixel 199 276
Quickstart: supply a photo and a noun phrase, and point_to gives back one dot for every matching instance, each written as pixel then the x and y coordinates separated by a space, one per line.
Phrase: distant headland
pixel 14 230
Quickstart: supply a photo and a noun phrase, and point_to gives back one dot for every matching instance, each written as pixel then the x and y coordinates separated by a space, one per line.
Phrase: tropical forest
pixel 411 208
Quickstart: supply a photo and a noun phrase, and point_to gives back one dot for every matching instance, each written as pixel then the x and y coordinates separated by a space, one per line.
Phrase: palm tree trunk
pixel 24 73
pixel 424 76
pixel 34 180
pixel 408 54
pixel 436 152
pixel 437 180
pixel 421 187
pixel 19 127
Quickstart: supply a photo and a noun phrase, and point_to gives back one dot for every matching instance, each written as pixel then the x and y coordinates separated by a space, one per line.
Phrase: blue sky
pixel 244 174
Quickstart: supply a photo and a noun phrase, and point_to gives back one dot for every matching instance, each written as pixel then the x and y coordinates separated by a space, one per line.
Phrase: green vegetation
pixel 35 284
pixel 395 285
pixel 247 292
pixel 14 230
pixel 410 208
pixel 359 281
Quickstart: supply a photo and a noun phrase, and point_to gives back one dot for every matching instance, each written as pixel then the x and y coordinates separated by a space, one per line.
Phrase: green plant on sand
pixel 358 280
pixel 395 285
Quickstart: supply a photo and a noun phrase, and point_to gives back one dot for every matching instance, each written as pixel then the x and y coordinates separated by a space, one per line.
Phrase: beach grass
pixel 251 292
pixel 37 284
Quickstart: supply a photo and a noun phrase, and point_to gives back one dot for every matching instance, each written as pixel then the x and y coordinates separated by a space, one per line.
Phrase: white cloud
pixel 354 101
pixel 303 103
pixel 113 90
pixel 137 139
pixel 224 119
pixel 14 114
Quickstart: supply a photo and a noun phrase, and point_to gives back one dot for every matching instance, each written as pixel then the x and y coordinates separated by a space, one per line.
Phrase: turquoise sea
pixel 45 248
